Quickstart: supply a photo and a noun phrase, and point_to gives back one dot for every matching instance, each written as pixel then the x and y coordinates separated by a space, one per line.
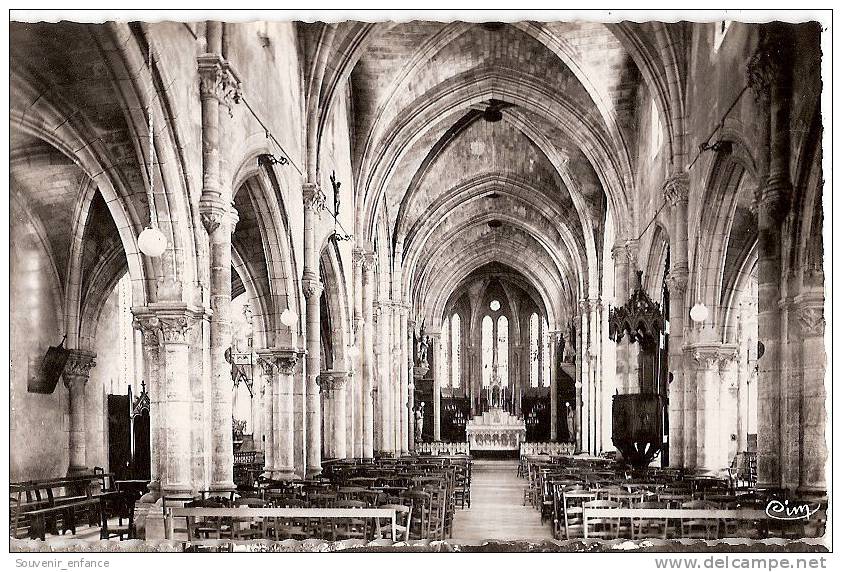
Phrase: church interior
pixel 379 282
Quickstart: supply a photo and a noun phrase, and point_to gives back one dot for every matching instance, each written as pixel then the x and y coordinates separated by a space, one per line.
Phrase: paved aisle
pixel 497 511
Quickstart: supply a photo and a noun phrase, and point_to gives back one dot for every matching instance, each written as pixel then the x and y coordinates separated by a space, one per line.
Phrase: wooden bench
pixel 674 514
pixel 244 514
pixel 40 505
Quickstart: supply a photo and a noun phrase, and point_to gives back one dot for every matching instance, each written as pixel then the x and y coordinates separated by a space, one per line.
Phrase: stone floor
pixel 497 510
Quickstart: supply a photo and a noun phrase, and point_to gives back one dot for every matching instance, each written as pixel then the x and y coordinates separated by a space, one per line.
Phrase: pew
pixel 39 506
pixel 241 514
pixel 590 515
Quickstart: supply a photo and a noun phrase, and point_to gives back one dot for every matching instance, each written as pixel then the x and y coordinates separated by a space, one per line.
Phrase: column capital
pixel 174 320
pixel 218 80
pixel 677 188
pixel 714 356
pixel 369 261
pixel 773 54
pixel 810 312
pixel 282 359
pixel 677 282
pixel 311 286
pixel 78 367
pixel 632 246
pixel 147 323
pixel 331 380
pixel 313 197
pixel 619 253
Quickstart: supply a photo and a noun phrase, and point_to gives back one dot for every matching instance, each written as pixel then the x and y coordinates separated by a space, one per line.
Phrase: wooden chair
pixel 282 528
pixel 403 518
pixel 177 500
pixel 249 528
pixel 701 527
pixel 419 502
pixel 573 522
pixel 559 487
pixel 649 527
pixel 120 506
pixel 608 528
pixel 347 528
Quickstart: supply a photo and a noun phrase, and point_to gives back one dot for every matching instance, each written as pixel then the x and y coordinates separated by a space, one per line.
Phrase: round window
pixel 495 305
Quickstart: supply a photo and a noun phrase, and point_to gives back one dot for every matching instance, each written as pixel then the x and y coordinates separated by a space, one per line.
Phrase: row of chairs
pixel 295 527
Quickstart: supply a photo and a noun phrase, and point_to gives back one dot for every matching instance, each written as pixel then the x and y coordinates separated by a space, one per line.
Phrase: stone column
pixel 621 296
pixel 76 372
pixel 285 362
pixel 595 353
pixel 553 388
pixel 397 367
pixel 278 367
pixel 144 323
pixel 676 191
pixel 438 352
pixel 407 382
pixel 311 285
pixel 332 386
pixel 712 359
pixel 689 414
pixel 383 315
pixel 729 398
pixel 770 74
pixel 367 354
pixel 583 382
pixel 810 311
pixel 632 350
pixel 354 393
pixel 218 84
pixel 707 405
pixel 267 387
pixel 175 322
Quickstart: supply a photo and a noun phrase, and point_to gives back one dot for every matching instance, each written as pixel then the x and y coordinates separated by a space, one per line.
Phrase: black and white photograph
pixel 373 281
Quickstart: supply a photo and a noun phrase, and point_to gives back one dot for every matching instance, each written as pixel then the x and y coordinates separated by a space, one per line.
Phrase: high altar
pixel 495 430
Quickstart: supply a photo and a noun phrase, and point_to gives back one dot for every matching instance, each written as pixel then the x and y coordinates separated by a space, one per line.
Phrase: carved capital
pixel 677 188
pixel 78 367
pixel 369 261
pixel 631 250
pixel 357 255
pixel 312 287
pixel 148 325
pixel 727 357
pixel 329 381
pixel 677 283
pixel 706 358
pixel 584 306
pixel 266 366
pixel 772 57
pixel 314 198
pixel 280 359
pixel 811 320
pixel 175 329
pixel 218 80
pixel 619 253
pixel 175 321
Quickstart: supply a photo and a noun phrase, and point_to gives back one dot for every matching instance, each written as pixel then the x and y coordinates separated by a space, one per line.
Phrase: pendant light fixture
pixel 699 312
pixel 151 241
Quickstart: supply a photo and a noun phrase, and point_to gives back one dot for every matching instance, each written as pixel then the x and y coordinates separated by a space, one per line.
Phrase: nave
pixel 251 262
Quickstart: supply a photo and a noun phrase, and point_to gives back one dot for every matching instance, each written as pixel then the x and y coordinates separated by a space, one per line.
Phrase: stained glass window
pixel 455 355
pixel 545 357
pixel 487 350
pixel 534 352
pixel 503 350
pixel 444 377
